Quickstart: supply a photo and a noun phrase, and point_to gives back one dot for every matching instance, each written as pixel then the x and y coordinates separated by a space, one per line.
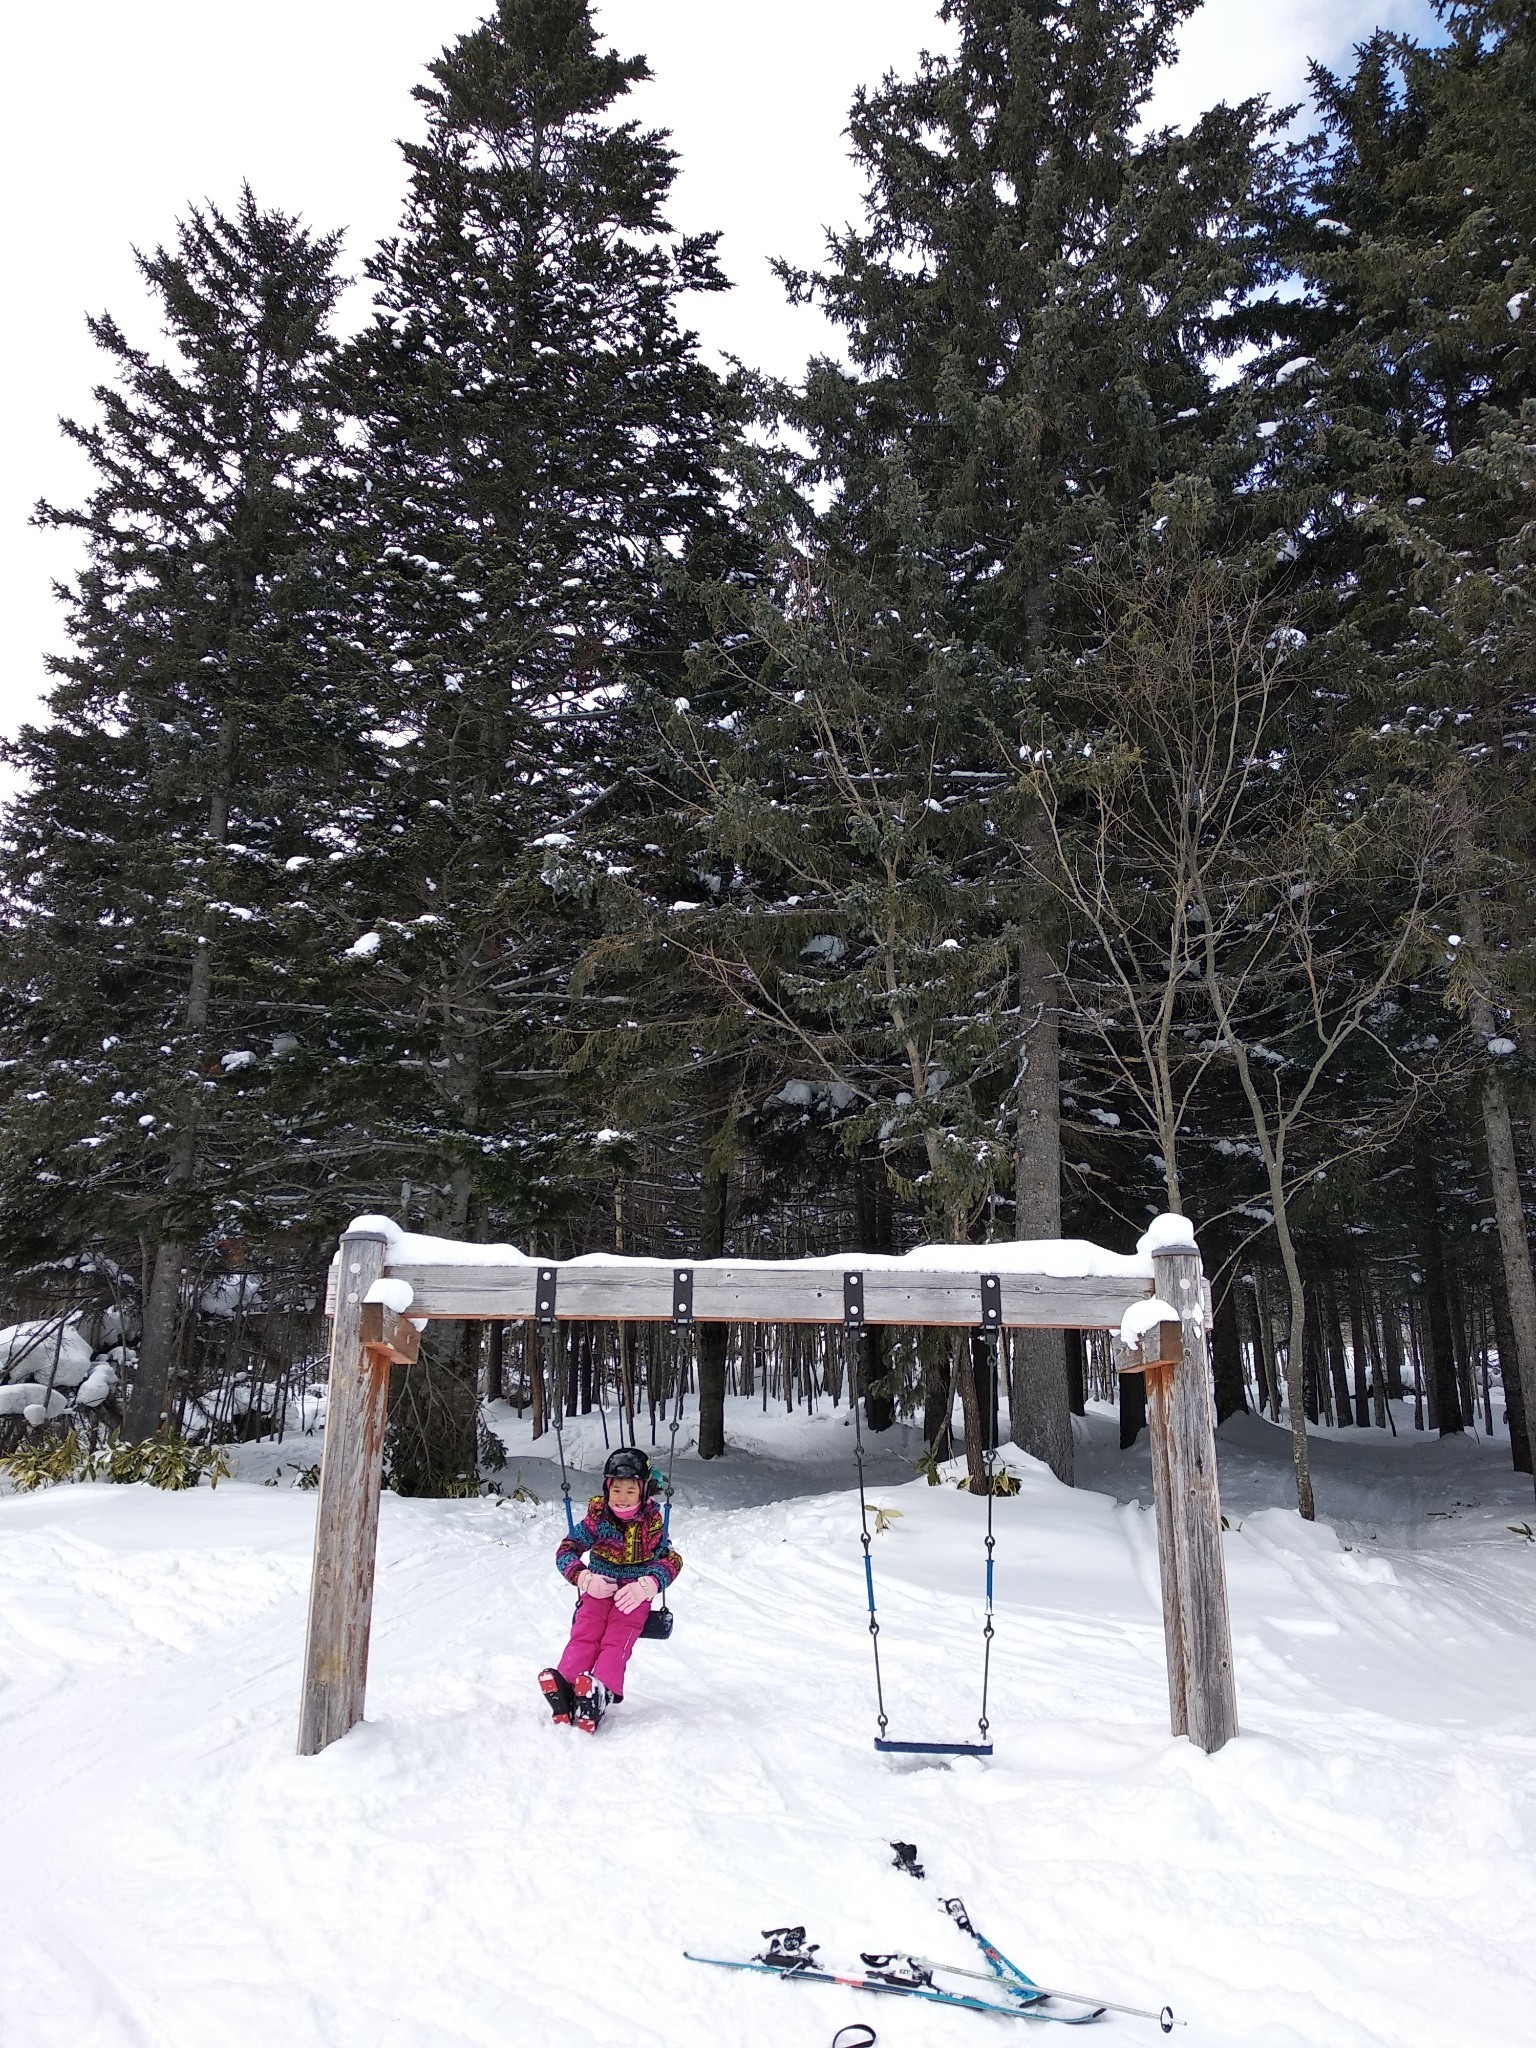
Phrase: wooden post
pixel 1154 1362
pixel 347 1518
pixel 1159 1396
pixel 1210 1689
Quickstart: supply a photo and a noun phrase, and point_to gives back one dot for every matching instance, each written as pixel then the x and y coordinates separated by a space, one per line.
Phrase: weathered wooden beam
pixel 347 1510
pixel 641 1291
pixel 394 1339
pixel 1167 1348
pixel 1210 1687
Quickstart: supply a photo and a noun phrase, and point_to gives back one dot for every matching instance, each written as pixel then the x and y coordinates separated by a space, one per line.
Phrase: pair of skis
pixel 789 1955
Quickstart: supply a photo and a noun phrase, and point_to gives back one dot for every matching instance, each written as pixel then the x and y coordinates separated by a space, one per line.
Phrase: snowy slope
pixel 1356 1870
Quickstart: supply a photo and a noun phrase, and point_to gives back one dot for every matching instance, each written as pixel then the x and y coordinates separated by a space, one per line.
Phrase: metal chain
pixel 549 1342
pixel 864 1536
pixel 987 1632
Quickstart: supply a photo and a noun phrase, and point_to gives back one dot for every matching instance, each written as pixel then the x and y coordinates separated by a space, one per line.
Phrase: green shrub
pixel 45 1461
pixel 169 1462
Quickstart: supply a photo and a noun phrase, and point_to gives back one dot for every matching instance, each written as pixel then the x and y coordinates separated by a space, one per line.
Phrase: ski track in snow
pixel 1356 1870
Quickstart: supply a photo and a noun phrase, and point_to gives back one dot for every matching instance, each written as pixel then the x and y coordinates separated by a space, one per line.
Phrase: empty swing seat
pixel 932 1748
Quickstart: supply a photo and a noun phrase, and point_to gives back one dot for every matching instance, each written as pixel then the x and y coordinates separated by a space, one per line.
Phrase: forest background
pixel 1065 757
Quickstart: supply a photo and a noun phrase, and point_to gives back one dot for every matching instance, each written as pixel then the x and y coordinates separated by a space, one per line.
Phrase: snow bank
pixel 1356 1871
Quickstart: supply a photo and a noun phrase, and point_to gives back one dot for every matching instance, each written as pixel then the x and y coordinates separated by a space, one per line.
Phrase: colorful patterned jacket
pixel 619 1550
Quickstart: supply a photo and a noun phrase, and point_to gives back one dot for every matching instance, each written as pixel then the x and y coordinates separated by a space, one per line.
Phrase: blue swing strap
pixel 991 1324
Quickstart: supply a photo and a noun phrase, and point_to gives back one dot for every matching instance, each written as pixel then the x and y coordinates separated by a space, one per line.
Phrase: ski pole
pixel 1165 2018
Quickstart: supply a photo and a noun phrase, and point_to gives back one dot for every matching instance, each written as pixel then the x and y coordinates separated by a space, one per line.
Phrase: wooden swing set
pixel 381 1289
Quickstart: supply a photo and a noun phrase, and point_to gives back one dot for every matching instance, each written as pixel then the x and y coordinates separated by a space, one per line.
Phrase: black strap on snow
pixel 855 2036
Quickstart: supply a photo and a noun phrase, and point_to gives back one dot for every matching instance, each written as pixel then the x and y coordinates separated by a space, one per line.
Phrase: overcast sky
pixel 119 114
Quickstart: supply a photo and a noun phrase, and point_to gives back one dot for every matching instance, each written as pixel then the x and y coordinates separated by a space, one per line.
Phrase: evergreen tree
pixel 541 439
pixel 1031 309
pixel 202 734
pixel 543 447
pixel 1419 452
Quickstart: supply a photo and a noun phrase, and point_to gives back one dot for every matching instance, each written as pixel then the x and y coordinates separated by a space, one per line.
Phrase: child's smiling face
pixel 624 1495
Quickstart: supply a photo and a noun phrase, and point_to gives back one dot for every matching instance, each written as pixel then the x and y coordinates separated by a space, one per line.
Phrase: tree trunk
pixel 1514 1391
pixel 1518 1367
pixel 1508 1203
pixel 938 1393
pixel 1133 1408
pixel 495 1353
pixel 1040 1399
pixel 1313 1384
pixel 147 1403
pixel 873 1229
pixel 1447 1417
pixel 147 1406
pixel 713 1338
pixel 1264 1336
pixel 1227 1356
pixel 1392 1347
pixel 1338 1361
pixel 970 1407
pixel 1077 1393
pixel 1249 1312
pixel 1364 1376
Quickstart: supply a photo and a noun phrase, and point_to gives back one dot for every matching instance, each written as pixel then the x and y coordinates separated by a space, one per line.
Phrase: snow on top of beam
pixel 1051 1258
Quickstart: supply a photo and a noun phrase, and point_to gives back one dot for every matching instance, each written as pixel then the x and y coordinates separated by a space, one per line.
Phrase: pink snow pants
pixel 601 1640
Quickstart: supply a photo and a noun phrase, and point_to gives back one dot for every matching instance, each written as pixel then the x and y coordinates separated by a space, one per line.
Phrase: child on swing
pixel 624 1533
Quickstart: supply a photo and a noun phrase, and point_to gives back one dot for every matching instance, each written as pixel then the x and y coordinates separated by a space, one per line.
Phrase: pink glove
pixel 592 1586
pixel 638 1593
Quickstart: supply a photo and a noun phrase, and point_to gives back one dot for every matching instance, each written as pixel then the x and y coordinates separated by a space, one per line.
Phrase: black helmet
pixel 629 1462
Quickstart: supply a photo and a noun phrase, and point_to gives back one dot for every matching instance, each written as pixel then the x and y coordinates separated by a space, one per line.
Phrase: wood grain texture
pixel 1159 1395
pixel 391 1335
pixel 1195 1502
pixel 1166 1349
pixel 642 1293
pixel 347 1512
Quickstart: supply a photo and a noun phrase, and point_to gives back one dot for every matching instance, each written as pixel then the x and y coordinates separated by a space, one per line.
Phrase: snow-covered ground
pixel 1356 1870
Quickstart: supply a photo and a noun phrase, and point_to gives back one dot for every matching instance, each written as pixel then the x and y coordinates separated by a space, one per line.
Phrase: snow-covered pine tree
pixel 1421 437
pixel 200 737
pixel 541 438
pixel 542 447
pixel 1031 308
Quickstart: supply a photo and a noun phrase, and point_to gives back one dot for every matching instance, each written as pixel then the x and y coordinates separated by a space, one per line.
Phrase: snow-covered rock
pixel 44 1351
pixel 98 1386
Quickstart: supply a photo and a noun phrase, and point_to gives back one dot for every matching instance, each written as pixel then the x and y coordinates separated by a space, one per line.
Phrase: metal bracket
pixel 544 1293
pixel 991 1302
pixel 853 1301
pixel 682 1297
